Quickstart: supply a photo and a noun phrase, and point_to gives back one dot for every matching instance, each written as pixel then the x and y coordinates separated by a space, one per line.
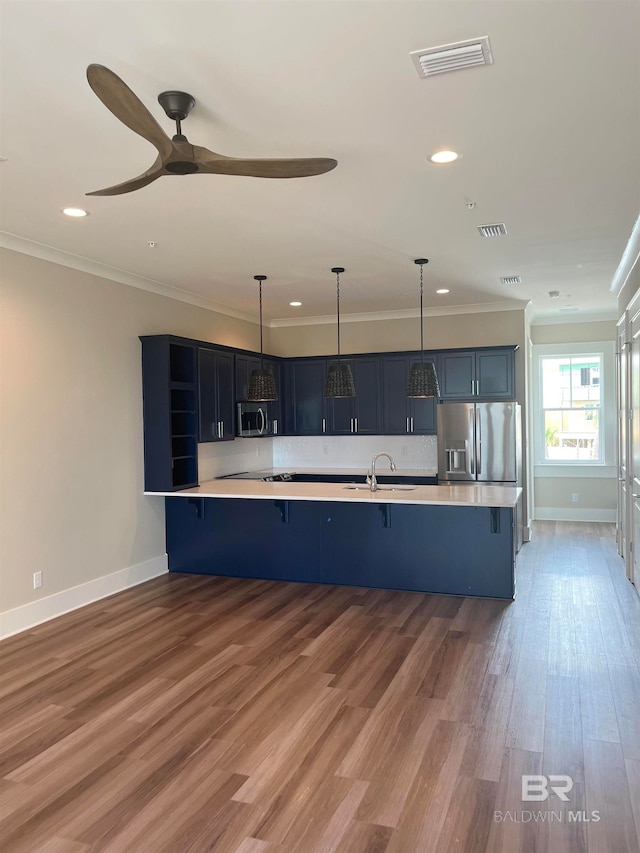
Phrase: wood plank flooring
pixel 212 714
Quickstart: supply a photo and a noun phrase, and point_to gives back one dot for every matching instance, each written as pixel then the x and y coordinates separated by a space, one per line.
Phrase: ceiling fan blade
pixel 126 106
pixel 154 172
pixel 218 164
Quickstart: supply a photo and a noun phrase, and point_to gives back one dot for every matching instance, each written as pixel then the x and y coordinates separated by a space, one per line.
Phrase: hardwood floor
pixel 196 713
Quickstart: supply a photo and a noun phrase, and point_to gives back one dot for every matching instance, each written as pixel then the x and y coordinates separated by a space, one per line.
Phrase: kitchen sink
pixel 399 487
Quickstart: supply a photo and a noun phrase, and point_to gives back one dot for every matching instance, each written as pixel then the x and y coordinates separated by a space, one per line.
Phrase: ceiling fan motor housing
pixel 177 105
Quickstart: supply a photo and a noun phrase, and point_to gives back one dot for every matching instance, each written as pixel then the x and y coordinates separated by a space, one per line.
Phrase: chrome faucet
pixel 371 475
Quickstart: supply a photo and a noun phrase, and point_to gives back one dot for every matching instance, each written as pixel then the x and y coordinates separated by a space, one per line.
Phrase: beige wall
pixel 71 476
pixel 443 332
pixel 597 496
pixel 569 333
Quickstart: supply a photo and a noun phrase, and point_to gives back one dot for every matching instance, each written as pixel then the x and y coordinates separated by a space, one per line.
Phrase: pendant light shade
pixel 339 377
pixel 262 385
pixel 423 379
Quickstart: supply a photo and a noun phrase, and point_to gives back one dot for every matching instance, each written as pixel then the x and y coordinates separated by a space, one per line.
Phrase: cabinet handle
pixel 408 430
pixel 221 429
pixel 355 425
pixel 275 426
pixel 411 419
pixel 324 425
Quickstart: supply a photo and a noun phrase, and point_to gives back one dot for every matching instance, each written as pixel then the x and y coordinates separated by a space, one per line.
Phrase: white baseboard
pixel 556 513
pixel 36 612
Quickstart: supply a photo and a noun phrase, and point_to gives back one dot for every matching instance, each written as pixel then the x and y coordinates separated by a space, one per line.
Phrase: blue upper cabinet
pixel 245 365
pixel 304 412
pixel 362 414
pixel 477 374
pixel 402 415
pixel 216 395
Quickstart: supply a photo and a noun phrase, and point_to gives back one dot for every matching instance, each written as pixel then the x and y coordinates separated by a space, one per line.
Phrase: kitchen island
pixel 451 539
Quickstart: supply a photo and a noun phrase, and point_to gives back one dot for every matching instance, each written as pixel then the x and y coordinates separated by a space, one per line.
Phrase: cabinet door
pixel 422 411
pixel 340 411
pixel 304 394
pixel 245 365
pixel 494 374
pixel 208 429
pixel 216 387
pixel 368 399
pixel 456 375
pixel 274 407
pixel 225 382
pixel 395 404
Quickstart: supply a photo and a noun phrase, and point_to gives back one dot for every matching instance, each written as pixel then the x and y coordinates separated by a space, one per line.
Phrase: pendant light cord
pixel 421 321
pixel 338 307
pixel 260 325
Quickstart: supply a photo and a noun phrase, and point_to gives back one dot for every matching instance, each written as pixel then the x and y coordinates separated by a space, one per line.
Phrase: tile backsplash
pixel 215 459
pixel 354 451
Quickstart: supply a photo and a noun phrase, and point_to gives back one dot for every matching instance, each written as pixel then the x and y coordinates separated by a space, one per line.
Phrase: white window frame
pixel 605 466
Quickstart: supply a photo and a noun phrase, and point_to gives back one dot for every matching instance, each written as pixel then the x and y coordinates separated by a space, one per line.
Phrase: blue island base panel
pixel 437 549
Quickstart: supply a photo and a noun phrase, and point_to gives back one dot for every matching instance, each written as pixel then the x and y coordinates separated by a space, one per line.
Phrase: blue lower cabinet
pixel 451 550
pixel 439 549
pixel 278 540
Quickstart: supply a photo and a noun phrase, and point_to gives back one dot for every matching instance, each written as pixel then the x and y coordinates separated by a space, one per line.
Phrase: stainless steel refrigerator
pixel 481 443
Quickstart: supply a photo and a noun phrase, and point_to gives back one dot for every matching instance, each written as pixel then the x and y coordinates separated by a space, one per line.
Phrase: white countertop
pixel 445 495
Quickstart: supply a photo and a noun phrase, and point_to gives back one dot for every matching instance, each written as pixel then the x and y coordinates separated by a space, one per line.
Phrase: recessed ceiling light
pixel 442 290
pixel 75 211
pixel 295 304
pixel 444 157
pixel 554 294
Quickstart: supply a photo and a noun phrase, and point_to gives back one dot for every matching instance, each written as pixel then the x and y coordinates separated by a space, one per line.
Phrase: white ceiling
pixel 550 137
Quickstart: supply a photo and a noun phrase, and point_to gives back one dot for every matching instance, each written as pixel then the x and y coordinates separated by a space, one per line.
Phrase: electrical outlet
pixel 574 497
pixel 37 580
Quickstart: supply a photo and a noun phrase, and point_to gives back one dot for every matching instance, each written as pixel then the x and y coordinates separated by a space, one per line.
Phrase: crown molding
pixel 77 262
pixel 406 314
pixel 577 317
pixel 628 260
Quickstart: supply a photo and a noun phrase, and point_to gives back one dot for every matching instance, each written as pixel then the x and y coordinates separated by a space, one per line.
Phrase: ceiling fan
pixel 177 156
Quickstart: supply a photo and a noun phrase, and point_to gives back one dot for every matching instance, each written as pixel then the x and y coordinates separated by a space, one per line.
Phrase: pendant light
pixel 339 377
pixel 423 379
pixel 262 385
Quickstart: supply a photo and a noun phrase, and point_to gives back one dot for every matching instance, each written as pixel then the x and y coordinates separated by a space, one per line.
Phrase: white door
pixel 633 499
pixel 623 349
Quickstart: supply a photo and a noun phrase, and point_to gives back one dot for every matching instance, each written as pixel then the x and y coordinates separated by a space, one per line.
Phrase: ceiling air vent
pixel 499 229
pixel 452 57
pixel 511 279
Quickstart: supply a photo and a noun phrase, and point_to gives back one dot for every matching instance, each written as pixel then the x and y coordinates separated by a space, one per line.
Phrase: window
pixel 571 394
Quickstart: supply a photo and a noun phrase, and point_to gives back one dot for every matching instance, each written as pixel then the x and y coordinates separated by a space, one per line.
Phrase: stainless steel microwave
pixel 253 420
